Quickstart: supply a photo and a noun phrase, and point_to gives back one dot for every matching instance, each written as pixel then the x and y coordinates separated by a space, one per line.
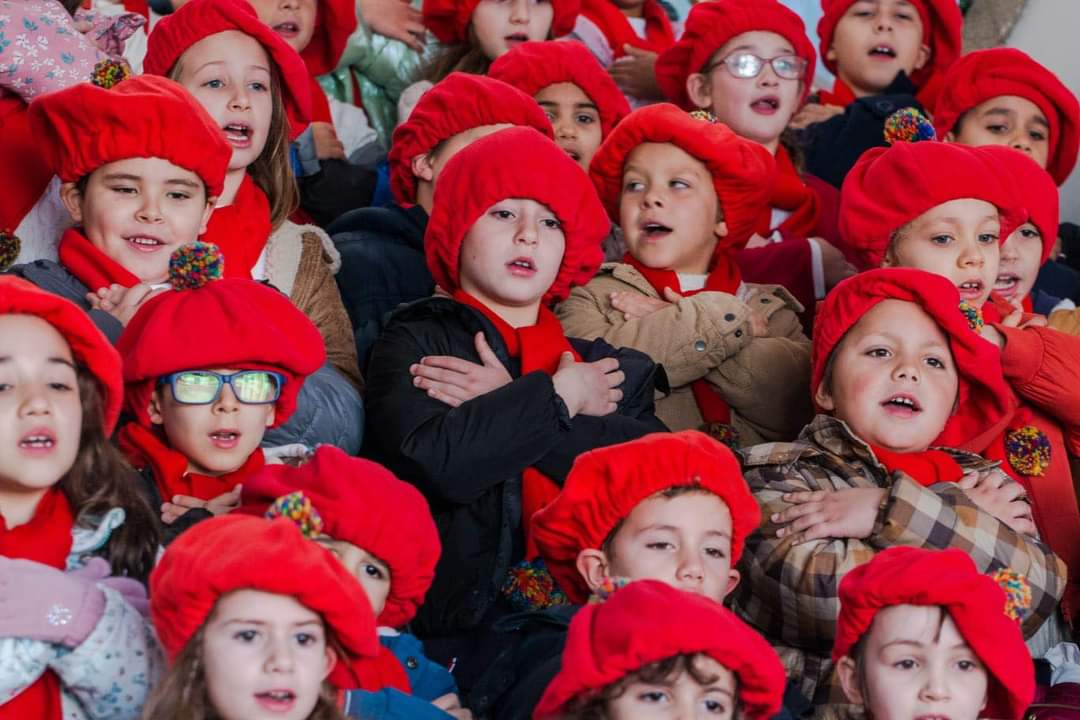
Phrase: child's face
pixel 669 209
pixel 216 438
pixel 229 74
pixel 1021 257
pixel 138 211
pixel 293 20
pixel 681 698
pixel 893 378
pixel 575 118
pixel 265 656
pixel 499 25
pixel 757 108
pixel 958 240
pixel 372 572
pixel 915 664
pixel 511 255
pixel 40 409
pixel 1008 120
pixel 875 40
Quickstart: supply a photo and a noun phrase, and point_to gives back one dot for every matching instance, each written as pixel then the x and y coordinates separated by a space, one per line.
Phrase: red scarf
pixel 320 106
pixel 92 267
pixel 792 194
pixel 45 539
pixel 926 468
pixel 617 29
pixel 540 347
pixel 241 229
pixel 144 448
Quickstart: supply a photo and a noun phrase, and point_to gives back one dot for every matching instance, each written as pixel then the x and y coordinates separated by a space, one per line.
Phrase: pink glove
pixel 42 603
pixel 97 571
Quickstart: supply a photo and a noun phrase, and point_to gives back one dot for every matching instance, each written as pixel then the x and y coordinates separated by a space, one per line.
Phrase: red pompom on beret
pixel 448 20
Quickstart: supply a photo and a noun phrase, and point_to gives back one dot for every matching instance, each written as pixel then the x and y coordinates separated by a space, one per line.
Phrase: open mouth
pixel 903 405
pixel 516 39
pixel 970 289
pixel 37 441
pixel 574 153
pixel 277 700
pixel 225 439
pixel 766 105
pixel 239 134
pixel 145 243
pixel 522 267
pixel 654 230
pixel 882 51
pixel 287 28
pixel 1007 283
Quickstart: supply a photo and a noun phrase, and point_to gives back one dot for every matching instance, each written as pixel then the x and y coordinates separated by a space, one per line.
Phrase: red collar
pixel 242 229
pixel 92 267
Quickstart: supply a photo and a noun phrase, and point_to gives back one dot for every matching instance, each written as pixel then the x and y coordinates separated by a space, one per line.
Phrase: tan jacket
pixel 1067 321
pixel 765 380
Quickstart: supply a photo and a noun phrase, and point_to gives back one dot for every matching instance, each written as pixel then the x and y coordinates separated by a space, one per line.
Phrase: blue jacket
pixel 428 681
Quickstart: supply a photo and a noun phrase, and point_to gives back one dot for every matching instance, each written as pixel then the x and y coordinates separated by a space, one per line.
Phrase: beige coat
pixel 765 380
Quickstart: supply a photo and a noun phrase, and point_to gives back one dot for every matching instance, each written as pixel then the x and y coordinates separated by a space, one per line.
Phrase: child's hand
pixel 635 74
pixel 846 513
pixel 757 241
pixel 172 511
pixel 121 302
pixel 589 388
pixel 635 306
pixel 1015 319
pixel 999 495
pixel 450 703
pixel 814 113
pixel 833 264
pixel 395 19
pixel 327 144
pixel 453 381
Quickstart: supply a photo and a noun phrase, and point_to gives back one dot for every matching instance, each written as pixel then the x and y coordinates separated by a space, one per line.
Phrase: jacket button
pixel 700 346
pixel 738 333
pixel 730 317
pixel 411 663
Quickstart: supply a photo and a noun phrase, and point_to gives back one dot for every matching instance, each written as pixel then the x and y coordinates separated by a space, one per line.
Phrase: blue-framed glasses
pixel 747 65
pixel 203 387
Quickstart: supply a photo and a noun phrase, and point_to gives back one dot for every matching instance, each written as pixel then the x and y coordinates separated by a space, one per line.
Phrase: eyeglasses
pixel 748 65
pixel 203 387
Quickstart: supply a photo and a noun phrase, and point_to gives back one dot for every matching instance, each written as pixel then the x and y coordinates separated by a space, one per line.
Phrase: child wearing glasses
pixel 207 370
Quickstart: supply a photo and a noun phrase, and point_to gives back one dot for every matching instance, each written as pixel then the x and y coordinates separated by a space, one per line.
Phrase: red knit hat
pixel 891 186
pixel 942 25
pixel 532 66
pixel 985 74
pixel 84 127
pixel 224 554
pixel 460 102
pixel 362 503
pixel 984 396
pixel 709 26
pixel 742 170
pixel 516 163
pixel 89 346
pixel 1035 190
pixel 649 621
pixel 975 602
pixel 448 20
pixel 335 21
pixel 199 19
pixel 605 486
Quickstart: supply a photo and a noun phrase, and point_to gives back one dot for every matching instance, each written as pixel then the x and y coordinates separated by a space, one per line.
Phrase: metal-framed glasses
pixel 203 387
pixel 747 65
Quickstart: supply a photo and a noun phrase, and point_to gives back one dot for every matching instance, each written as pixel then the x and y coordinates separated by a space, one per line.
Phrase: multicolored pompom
pixel 1028 450
pixel 611 586
pixel 973 315
pixel 530 586
pixel 704 116
pixel 723 432
pixel 908 125
pixel 1017 592
pixel 194 265
pixel 10 245
pixel 108 73
pixel 296 506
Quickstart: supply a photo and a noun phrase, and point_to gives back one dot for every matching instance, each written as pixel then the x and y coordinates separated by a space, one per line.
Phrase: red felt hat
pixel 230 323
pixel 985 398
pixel 975 602
pixel 460 102
pixel 89 346
pixel 362 503
pixel 742 170
pixel 649 621
pixel 199 19
pixel 84 127
pixel 944 38
pixel 516 163
pixel 605 485
pixel 532 66
pixel 229 553
pixel 709 27
pixel 1035 190
pixel 448 20
pixel 891 186
pixel 985 74
pixel 335 21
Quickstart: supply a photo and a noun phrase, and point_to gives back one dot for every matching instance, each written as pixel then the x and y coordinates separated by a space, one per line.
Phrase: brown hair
pixel 608 546
pixel 464 57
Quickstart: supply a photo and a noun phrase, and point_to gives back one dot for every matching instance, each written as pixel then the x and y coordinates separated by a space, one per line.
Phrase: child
pixel 207 370
pixel 863 476
pixel 651 651
pixel 687 193
pixel 72 640
pixel 256 622
pixel 923 633
pixel 504 241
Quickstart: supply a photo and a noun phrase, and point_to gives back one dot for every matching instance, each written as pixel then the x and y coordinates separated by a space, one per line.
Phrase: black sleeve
pixel 169 532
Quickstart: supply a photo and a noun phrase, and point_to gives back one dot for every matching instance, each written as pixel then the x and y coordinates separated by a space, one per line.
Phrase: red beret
pixel 235 322
pixel 362 503
pixel 84 127
pixel 709 26
pixel 942 29
pixel 229 553
pixel 1035 190
pixel 983 394
pixel 985 74
pixel 975 602
pixel 460 102
pixel 605 485
pixel 199 19
pixel 448 20
pixel 891 186
pixel 89 346
pixel 649 621
pixel 742 170
pixel 516 163
pixel 533 66
pixel 335 21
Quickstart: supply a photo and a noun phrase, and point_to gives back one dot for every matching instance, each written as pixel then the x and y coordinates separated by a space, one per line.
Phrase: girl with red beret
pixel 878 468
pixel 73 642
